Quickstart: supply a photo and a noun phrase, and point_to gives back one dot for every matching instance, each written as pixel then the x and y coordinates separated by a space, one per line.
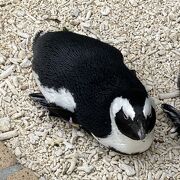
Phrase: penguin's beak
pixel 141 133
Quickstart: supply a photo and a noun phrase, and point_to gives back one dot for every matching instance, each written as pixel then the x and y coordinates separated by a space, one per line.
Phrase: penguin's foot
pixel 71 124
pixel 173 114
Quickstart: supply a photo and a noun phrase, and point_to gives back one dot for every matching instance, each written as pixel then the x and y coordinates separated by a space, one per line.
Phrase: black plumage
pixel 93 71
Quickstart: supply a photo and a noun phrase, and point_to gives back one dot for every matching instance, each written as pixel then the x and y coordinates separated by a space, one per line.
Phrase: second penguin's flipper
pixel 172 114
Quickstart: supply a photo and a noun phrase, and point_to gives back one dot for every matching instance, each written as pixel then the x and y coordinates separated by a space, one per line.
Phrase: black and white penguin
pixel 86 79
pixel 173 113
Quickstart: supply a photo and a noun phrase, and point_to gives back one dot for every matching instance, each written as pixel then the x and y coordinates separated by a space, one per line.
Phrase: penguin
pixel 172 113
pixel 85 81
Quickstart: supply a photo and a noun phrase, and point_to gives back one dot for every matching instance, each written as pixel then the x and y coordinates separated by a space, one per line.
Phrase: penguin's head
pixel 132 123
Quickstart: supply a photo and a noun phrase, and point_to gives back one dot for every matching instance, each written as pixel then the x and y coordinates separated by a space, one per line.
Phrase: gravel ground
pixel 147 33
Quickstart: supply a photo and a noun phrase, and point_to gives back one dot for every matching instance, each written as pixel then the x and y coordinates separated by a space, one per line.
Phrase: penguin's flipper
pixel 58 111
pixel 172 114
pixel 54 110
pixel 38 97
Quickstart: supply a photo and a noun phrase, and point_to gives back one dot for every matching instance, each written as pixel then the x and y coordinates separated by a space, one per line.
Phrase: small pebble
pixel 1 59
pixel 133 2
pixel 26 63
pixel 58 152
pixel 128 169
pixel 75 12
pixel 105 10
pixel 20 13
pixel 33 138
pixel 161 52
pixel 88 15
pixel 21 54
pixel 5 124
pixel 7 72
pixel 17 151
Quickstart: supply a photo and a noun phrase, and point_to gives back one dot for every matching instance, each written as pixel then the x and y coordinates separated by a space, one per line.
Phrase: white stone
pixel 20 13
pixel 133 3
pixel 68 145
pixel 86 24
pixel 105 10
pixel 8 135
pixel 88 15
pixel 26 63
pixel 86 168
pixel 33 138
pixel 128 169
pixel 7 72
pixel 5 124
pixel 75 12
pixel 17 151
pixel 2 59
pixel 58 152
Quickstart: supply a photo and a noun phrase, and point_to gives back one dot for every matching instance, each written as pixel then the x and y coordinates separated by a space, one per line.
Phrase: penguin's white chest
pixel 62 97
pixel 118 140
pixel 124 144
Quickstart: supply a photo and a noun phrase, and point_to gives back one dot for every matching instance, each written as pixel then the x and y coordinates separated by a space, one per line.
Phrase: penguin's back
pixel 63 58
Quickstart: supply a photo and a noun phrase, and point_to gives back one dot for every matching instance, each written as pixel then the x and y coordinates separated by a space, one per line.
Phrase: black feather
pixel 38 97
pixel 93 71
pixel 173 114
pixel 38 34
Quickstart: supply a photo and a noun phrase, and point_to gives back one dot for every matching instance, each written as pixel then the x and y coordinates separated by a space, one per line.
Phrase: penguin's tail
pixel 38 97
pixel 40 33
pixel 37 35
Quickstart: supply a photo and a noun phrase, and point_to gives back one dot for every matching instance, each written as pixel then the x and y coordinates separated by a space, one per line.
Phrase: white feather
pixel 123 103
pixel 147 107
pixel 119 141
pixel 62 97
